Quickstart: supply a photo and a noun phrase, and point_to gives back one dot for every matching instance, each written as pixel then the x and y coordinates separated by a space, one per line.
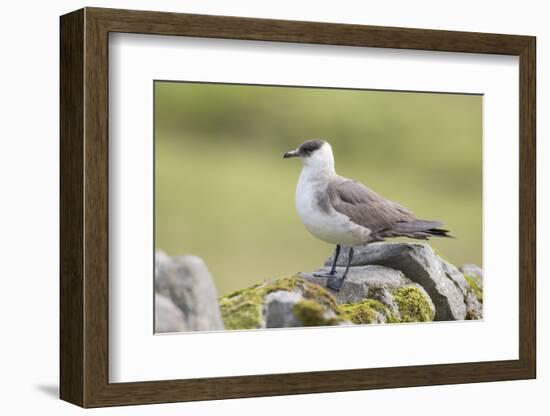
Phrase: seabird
pixel 343 211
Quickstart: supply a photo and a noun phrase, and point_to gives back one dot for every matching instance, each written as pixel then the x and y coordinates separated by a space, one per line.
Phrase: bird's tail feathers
pixel 422 229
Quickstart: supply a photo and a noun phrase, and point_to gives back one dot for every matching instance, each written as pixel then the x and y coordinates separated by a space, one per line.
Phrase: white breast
pixel 330 226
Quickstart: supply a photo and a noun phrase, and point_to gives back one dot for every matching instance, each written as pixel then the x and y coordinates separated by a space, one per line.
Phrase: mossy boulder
pixel 296 302
pixel 361 282
pixel 446 285
pixel 413 305
pixel 378 294
pixel 309 303
pixel 387 283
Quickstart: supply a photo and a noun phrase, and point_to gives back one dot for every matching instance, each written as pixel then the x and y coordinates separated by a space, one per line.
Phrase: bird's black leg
pixel 350 256
pixel 335 283
pixel 336 254
pixel 333 269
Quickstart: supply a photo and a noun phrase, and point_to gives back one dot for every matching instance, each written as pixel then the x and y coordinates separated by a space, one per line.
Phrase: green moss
pixel 311 313
pixel 414 306
pixel 367 311
pixel 243 309
pixel 241 291
pixel 475 286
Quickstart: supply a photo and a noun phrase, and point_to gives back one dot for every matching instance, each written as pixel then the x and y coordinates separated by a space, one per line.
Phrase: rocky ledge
pixel 386 283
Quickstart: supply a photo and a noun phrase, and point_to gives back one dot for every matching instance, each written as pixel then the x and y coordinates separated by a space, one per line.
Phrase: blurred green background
pixel 224 192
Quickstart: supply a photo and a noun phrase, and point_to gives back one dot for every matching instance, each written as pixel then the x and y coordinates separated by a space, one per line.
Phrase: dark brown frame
pixel 84 210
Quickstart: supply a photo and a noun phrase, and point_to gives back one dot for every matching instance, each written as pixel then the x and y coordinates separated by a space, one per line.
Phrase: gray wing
pixel 365 207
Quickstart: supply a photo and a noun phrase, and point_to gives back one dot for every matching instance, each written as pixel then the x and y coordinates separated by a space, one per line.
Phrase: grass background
pixel 224 193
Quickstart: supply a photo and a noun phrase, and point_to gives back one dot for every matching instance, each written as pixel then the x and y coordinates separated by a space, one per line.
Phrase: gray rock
pixel 278 308
pixel 163 266
pixel 168 317
pixel 475 308
pixel 472 270
pixel 442 281
pixel 361 281
pixel 279 311
pixel 186 281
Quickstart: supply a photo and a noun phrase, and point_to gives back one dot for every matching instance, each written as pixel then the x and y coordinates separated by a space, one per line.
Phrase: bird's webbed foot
pixel 335 283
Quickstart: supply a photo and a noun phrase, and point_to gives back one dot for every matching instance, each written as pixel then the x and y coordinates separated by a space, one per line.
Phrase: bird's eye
pixel 309 147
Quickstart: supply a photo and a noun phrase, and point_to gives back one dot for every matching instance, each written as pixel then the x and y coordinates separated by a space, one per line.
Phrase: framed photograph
pixel 254 207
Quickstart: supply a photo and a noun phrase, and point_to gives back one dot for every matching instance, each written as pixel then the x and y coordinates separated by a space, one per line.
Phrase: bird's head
pixel 314 153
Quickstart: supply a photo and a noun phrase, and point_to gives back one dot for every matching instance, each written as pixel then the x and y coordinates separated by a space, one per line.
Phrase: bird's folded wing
pixel 365 207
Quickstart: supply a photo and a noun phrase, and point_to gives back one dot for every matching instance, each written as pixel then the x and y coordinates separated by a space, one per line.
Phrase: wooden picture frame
pixel 84 207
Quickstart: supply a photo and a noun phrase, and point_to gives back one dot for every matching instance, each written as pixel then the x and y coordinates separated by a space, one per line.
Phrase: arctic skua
pixel 343 211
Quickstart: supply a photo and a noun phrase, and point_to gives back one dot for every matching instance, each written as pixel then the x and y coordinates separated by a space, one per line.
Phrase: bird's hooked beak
pixel 292 153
